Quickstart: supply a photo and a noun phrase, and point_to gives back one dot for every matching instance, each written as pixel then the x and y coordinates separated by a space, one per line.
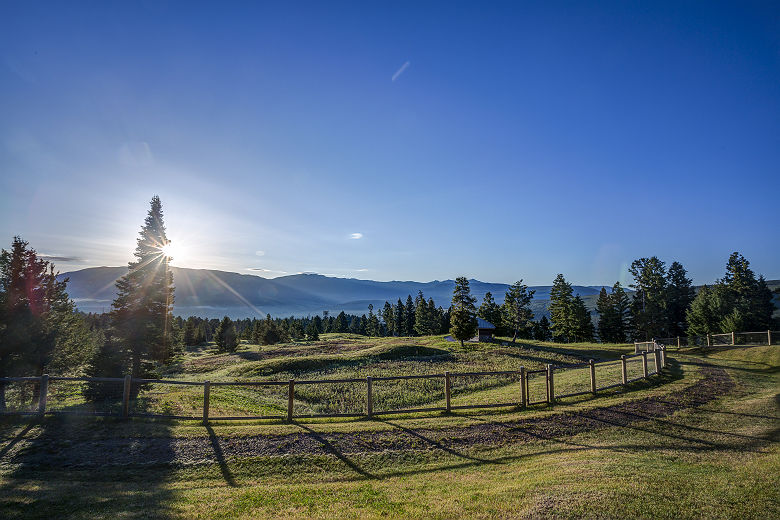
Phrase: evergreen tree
pixel 680 294
pixel 762 307
pixel 463 316
pixel 422 318
pixel 109 360
pixel 38 321
pixel 225 336
pixel 398 316
pixel 317 323
pixel 388 316
pixel 341 324
pixel 190 332
pixel 581 320
pixel 409 315
pixel 707 310
pixel 372 327
pixel 738 302
pixel 516 314
pixel 269 332
pixel 622 306
pixel 201 336
pixel 542 330
pixel 614 315
pixel 312 332
pixel 649 307
pixel 141 312
pixel 560 309
pixel 490 311
pixel 607 317
pixel 749 299
pixel 435 318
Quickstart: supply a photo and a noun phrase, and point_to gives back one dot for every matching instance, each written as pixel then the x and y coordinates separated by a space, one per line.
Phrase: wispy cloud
pixel 356 236
pixel 62 258
pixel 401 70
pixel 263 270
pixel 260 253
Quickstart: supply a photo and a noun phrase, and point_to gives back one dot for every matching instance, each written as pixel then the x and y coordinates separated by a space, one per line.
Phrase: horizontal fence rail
pixel 444 392
pixel 765 337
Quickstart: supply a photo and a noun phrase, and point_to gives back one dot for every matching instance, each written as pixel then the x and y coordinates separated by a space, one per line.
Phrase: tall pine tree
pixel 463 316
pixel 141 312
pixel 649 306
pixel 490 311
pixel 561 295
pixel 516 314
pixel 679 295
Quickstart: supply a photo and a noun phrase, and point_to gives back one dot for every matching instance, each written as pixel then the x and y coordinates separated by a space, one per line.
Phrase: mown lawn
pixel 717 459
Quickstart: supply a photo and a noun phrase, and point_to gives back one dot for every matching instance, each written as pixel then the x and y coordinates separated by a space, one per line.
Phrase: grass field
pixel 701 440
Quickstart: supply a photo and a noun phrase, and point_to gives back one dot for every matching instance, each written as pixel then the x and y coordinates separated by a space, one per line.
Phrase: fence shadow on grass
pixel 73 467
pixel 223 467
pixel 330 448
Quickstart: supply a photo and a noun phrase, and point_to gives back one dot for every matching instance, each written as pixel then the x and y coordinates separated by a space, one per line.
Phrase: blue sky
pixel 395 140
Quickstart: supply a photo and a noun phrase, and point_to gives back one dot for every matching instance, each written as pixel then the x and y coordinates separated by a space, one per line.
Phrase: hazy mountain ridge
pixel 216 293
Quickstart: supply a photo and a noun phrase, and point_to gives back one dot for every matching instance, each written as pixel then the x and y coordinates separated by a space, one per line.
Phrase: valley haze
pixel 214 294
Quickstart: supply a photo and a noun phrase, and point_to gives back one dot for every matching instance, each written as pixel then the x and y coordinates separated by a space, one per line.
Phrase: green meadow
pixel 698 440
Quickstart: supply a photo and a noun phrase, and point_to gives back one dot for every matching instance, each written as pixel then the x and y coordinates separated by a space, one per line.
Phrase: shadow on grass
pixel 330 448
pixel 223 467
pixel 52 469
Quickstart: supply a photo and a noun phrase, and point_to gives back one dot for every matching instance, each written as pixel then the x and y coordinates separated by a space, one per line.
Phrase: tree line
pixel 42 331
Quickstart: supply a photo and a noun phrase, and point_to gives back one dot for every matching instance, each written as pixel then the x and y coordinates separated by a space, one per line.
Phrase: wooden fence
pixel 525 398
pixel 765 337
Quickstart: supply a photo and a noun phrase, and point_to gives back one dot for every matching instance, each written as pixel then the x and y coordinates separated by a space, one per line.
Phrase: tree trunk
pixel 461 344
pixel 514 337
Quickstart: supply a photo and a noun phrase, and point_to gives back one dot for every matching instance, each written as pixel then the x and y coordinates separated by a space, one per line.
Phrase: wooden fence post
pixel 769 337
pixel 550 385
pixel 448 390
pixel 592 364
pixel 624 370
pixel 708 339
pixel 733 337
pixel 663 357
pixel 678 342
pixel 636 348
pixel 206 397
pixel 369 398
pixel 523 394
pixel 126 396
pixel 644 364
pixel 44 390
pixel 290 396
pixel 657 354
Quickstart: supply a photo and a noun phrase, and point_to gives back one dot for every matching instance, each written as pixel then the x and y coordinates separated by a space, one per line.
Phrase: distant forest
pixel 41 331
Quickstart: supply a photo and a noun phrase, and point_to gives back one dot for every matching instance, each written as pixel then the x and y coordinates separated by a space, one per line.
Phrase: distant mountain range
pixel 213 294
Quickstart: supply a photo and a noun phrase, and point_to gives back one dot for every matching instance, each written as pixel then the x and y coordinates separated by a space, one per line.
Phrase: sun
pixel 170 251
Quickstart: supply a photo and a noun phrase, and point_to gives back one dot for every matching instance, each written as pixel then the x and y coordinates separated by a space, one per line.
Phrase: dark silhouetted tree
pixel 141 312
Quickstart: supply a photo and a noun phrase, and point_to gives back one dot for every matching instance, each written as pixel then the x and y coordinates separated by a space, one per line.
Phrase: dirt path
pixel 51 450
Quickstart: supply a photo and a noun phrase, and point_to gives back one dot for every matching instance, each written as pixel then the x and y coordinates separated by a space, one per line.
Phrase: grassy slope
pixel 719 460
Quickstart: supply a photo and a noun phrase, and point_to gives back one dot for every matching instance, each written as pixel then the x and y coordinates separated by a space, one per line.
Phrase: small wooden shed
pixel 485 330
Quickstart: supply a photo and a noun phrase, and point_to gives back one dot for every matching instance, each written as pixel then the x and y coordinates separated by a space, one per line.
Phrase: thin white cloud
pixel 356 236
pixel 401 70
pixel 260 253
pixel 263 270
